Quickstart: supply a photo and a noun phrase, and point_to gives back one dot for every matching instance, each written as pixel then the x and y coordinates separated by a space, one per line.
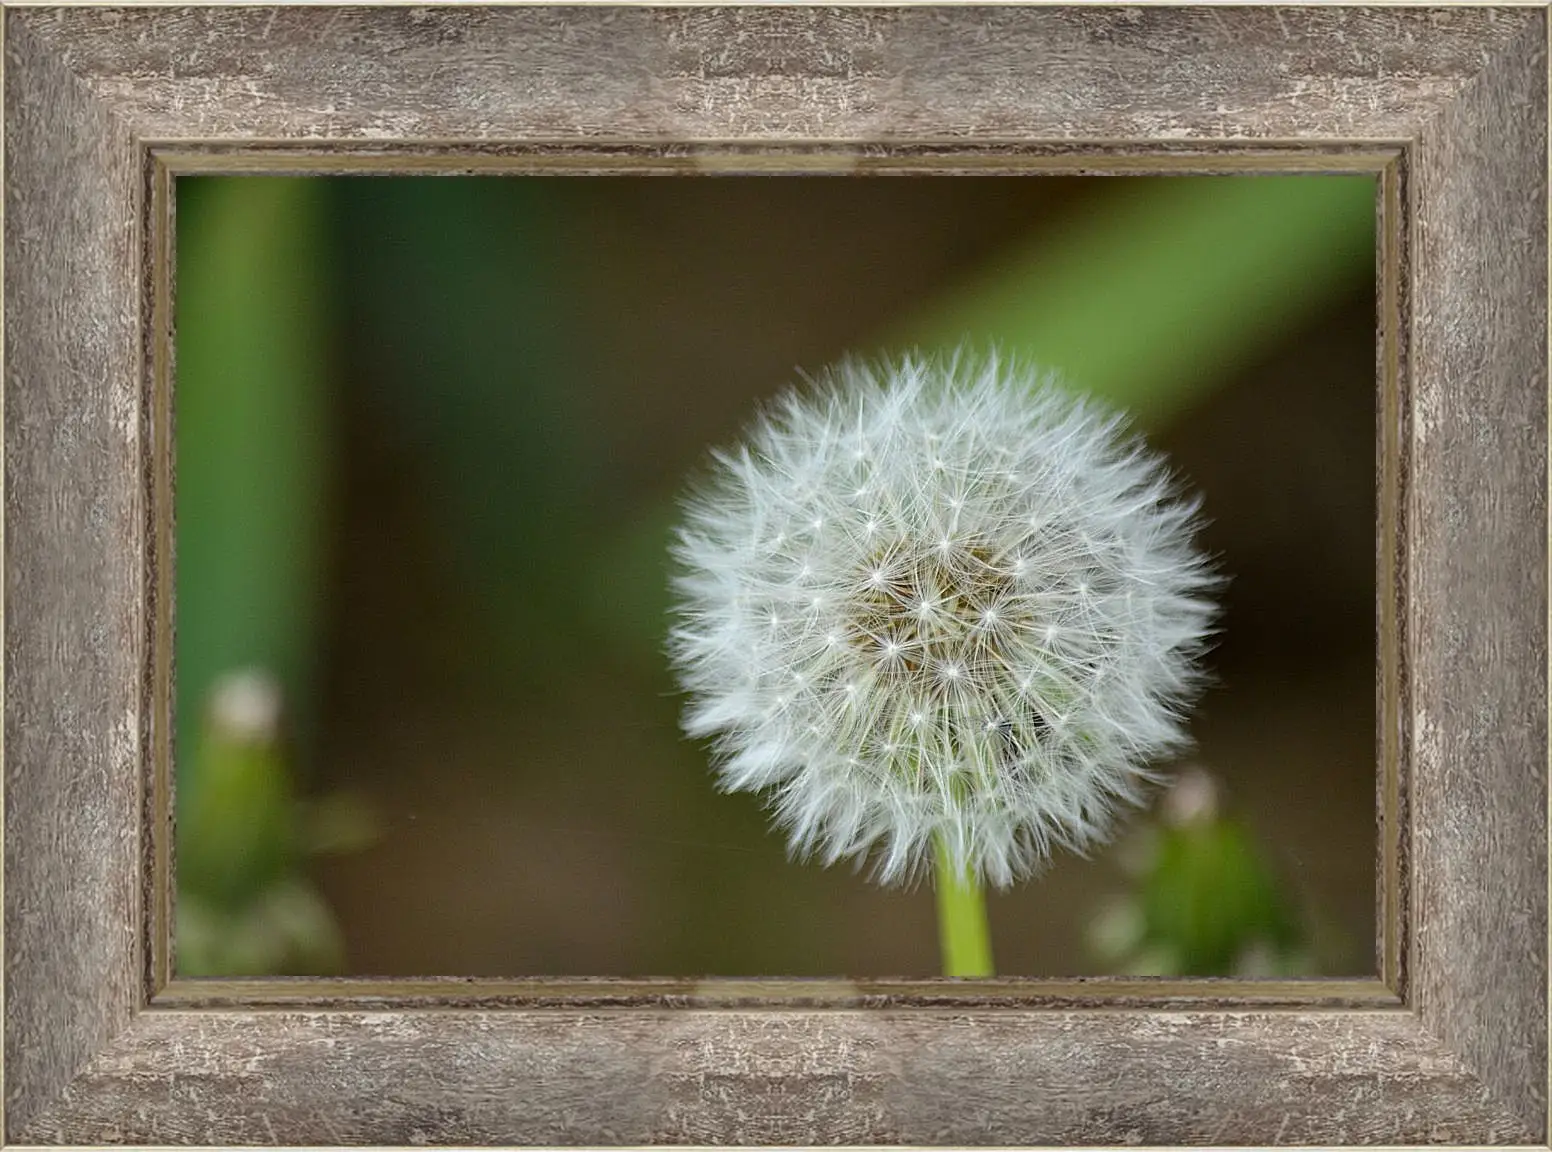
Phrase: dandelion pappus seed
pixel 997 643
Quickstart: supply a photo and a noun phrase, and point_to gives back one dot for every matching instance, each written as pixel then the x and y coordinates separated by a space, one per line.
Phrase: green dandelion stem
pixel 963 931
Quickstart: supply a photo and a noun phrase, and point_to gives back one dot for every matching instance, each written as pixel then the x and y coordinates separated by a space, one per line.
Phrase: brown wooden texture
pixel 99 102
pixel 770 1078
pixel 74 507
pixel 1477 576
pixel 933 73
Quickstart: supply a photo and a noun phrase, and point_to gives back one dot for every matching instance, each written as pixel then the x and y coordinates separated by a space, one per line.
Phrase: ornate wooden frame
pixel 1447 107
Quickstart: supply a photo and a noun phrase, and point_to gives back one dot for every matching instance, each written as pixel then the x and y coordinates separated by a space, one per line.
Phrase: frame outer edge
pixel 775 1078
pixel 73 635
pixel 70 421
pixel 1478 564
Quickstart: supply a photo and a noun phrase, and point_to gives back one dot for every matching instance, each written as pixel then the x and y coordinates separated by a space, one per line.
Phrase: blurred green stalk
pixel 253 414
pixel 1155 293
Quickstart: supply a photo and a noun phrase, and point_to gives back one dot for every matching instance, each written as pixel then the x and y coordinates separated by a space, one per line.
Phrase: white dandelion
pixel 940 602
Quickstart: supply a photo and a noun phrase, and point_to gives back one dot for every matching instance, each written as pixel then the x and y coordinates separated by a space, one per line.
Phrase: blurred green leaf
pixel 1161 287
pixel 288 930
pixel 339 823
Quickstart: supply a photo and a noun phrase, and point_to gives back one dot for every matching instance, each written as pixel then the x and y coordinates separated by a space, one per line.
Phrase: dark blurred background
pixel 429 436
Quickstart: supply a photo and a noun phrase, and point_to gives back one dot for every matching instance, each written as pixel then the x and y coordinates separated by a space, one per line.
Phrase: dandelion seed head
pixel 940 599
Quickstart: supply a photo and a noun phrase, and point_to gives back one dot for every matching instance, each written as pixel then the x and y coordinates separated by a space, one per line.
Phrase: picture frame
pixel 1447 107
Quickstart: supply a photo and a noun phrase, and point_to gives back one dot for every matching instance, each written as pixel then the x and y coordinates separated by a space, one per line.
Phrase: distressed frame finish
pixel 1448 108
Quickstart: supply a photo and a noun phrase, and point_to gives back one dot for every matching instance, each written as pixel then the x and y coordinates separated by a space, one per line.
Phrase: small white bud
pixel 245 706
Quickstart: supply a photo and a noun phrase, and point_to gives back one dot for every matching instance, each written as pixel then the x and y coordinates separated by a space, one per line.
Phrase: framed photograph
pixel 280 364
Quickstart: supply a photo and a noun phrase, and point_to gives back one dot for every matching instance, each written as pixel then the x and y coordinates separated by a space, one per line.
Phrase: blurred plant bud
pixel 237 834
pixel 1204 901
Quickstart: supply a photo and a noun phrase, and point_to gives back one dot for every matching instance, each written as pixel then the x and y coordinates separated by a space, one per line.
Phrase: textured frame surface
pixel 1447 106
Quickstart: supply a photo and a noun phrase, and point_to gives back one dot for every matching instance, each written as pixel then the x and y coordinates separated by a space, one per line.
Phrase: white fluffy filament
pixel 940 597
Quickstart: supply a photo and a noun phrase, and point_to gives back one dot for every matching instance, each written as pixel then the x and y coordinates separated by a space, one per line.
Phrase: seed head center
pixel 937 617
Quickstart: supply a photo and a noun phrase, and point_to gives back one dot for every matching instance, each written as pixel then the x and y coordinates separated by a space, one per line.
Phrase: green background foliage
pixel 429 437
